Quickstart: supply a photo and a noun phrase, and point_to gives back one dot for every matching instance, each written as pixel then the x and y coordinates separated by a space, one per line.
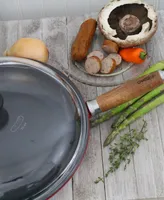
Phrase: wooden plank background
pixel 36 9
pixel 144 177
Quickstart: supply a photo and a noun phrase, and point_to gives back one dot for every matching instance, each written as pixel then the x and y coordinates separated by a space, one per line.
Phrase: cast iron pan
pixel 44 126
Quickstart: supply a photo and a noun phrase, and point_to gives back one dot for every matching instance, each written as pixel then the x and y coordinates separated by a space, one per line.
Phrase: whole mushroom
pixel 128 22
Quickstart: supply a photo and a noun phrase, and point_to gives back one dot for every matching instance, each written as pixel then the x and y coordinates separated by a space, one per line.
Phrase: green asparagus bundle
pixel 138 104
pixel 109 114
pixel 106 116
pixel 140 112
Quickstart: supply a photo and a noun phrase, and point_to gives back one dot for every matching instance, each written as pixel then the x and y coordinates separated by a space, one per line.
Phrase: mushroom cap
pixel 109 22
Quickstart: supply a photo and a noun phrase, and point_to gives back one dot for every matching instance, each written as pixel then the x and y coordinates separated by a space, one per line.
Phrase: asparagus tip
pixel 106 143
pixel 113 126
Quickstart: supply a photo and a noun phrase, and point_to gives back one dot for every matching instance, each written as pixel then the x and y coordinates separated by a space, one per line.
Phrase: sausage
pixel 83 40
pixel 93 65
pixel 116 57
pixel 98 54
pixel 108 65
pixel 110 46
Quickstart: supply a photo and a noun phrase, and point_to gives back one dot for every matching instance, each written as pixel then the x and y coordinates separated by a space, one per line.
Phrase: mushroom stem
pixel 143 55
pixel 129 24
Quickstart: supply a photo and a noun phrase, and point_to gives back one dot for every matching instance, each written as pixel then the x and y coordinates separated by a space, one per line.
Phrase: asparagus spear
pixel 109 114
pixel 138 104
pixel 104 117
pixel 145 109
pixel 156 67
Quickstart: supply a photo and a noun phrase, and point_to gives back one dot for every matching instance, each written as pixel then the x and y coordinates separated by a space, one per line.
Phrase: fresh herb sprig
pixel 124 149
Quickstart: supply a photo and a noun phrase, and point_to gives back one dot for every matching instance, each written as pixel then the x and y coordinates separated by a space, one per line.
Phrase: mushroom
pixel 128 22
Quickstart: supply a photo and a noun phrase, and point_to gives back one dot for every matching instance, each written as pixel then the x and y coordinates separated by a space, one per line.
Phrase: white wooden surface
pixel 35 9
pixel 144 177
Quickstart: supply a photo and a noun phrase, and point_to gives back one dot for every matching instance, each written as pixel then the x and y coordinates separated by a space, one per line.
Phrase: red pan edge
pixel 89 135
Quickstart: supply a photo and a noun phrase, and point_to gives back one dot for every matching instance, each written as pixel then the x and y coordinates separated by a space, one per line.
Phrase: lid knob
pixel 4 117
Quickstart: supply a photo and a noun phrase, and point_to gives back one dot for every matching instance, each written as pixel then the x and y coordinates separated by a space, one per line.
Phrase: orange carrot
pixel 134 55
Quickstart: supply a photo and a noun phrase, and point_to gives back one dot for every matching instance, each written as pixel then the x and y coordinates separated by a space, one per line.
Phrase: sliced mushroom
pixel 128 22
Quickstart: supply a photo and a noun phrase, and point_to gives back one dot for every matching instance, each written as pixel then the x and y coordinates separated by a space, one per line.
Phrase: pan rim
pixel 78 155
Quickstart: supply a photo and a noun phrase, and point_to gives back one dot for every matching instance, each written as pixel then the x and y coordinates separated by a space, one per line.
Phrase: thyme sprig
pixel 124 149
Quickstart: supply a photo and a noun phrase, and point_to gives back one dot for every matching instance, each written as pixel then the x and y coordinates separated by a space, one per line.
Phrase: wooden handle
pixel 129 90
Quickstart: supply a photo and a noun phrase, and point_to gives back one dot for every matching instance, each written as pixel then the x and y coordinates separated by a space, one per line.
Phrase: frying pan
pixel 44 125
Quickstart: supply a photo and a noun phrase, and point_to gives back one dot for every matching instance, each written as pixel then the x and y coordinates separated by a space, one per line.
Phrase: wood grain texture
pixel 12 32
pixel 129 90
pixel 144 177
pixel 34 9
pixel 149 159
pixel 120 185
pixel 30 28
pixel 157 56
pixel 91 167
pixel 55 37
pixel 3 37
pixel 65 193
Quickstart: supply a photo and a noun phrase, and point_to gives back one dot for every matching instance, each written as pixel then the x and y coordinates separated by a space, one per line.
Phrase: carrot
pixel 134 55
